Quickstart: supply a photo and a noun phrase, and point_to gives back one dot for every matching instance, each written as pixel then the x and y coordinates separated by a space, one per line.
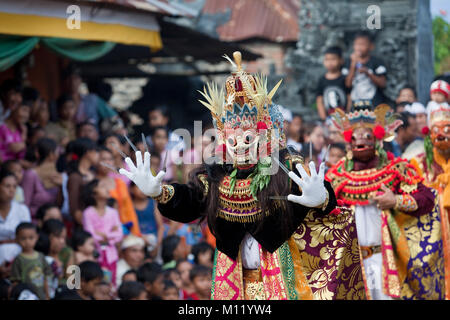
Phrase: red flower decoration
pixel 340 203
pixel 348 135
pixel 335 211
pixel 75 157
pixel 261 125
pixel 425 130
pixel 379 132
pixel 390 156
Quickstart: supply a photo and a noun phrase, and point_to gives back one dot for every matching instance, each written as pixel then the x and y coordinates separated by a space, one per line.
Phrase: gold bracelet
pixel 167 192
pixel 405 203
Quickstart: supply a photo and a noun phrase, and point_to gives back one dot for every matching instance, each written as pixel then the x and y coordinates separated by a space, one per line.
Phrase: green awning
pixel 14 48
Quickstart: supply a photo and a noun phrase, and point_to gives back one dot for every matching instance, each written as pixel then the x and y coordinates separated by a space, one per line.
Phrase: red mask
pixel 363 144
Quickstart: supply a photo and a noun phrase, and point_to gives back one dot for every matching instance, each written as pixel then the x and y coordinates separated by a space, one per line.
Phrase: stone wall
pixel 326 23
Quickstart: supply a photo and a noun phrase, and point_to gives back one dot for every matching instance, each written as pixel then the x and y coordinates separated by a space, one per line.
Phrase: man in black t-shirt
pixel 331 91
pixel 366 75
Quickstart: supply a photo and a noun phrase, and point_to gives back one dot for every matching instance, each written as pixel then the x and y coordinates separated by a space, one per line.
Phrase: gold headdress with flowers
pixel 245 103
pixel 382 122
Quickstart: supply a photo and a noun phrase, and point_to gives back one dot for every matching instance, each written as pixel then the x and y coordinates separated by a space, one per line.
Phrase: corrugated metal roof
pixel 156 6
pixel 276 20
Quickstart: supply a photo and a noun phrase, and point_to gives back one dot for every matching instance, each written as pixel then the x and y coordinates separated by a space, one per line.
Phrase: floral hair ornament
pixel 379 132
pixel 381 120
pixel 348 135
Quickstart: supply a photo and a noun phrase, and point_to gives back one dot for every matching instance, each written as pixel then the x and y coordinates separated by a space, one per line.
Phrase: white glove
pixel 142 176
pixel 314 192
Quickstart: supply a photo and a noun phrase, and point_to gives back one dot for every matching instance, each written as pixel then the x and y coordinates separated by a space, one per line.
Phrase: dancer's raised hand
pixel 314 192
pixel 142 176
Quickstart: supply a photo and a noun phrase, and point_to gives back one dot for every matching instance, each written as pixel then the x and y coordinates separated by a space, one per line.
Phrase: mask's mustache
pixel 361 147
pixel 441 138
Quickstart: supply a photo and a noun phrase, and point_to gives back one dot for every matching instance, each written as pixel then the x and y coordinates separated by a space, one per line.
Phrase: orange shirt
pixel 125 206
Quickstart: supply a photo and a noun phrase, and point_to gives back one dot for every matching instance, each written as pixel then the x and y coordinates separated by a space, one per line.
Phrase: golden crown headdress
pixel 245 102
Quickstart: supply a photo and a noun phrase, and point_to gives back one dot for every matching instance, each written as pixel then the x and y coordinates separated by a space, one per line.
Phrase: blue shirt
pixel 146 218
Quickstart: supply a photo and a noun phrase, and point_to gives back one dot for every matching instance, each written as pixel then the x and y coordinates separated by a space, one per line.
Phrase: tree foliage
pixel 441 32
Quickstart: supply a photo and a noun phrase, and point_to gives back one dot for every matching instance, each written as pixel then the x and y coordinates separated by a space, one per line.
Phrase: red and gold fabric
pixel 412 245
pixel 413 255
pixel 357 187
pixel 320 261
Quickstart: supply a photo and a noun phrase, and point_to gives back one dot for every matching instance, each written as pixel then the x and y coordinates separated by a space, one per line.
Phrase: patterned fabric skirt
pixel 253 285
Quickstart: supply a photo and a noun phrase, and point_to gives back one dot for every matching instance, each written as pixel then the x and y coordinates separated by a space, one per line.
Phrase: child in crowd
pixel 56 232
pixel 170 291
pixel 130 275
pixel 150 220
pixel 331 90
pixel 365 74
pixel 103 291
pixel 406 94
pixel 173 249
pixel 114 143
pixel 43 246
pixel 203 254
pixel 132 290
pixel 151 275
pixel 420 112
pixel 132 256
pixel 46 212
pixel 184 267
pixel 104 224
pixel 400 107
pixel 439 93
pixel 118 190
pixel 337 152
pixel 63 130
pixel 160 138
pixel 88 130
pixel 314 134
pixel 16 168
pixel 294 132
pixel 83 244
pixel 30 265
pixel 174 276
pixel 24 291
pixel 155 163
pixel 201 279
pixel 91 275
pixel 13 134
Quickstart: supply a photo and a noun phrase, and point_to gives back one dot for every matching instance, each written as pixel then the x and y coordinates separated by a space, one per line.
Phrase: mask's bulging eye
pixel 249 137
pixel 436 130
pixel 367 135
pixel 232 141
